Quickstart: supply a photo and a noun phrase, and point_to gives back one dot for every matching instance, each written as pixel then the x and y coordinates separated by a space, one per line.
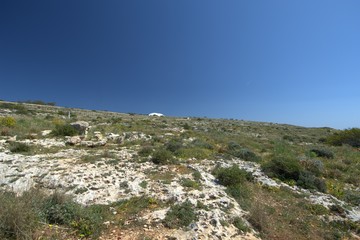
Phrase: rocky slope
pixel 103 167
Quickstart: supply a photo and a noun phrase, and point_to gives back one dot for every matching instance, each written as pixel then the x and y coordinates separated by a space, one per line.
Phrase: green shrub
pixel 348 136
pixel 7 122
pixel 180 215
pixel 197 175
pixel 241 193
pixel 186 182
pixel 288 138
pixel 322 153
pixel 317 209
pixel 352 197
pixel 246 155
pixel 17 147
pixel 236 150
pixel 289 169
pixel 19 108
pixel 315 166
pixel 162 156
pixel 143 184
pixel 60 209
pixel 235 180
pixel 18 218
pixel 283 168
pixel 201 144
pixel 174 145
pixel 145 151
pixel 62 130
pixel 230 176
pixel 133 206
pixel 233 146
pixel 240 224
pixel 309 181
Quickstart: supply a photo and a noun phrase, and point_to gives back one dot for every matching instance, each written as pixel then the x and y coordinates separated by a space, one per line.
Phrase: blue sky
pixel 295 62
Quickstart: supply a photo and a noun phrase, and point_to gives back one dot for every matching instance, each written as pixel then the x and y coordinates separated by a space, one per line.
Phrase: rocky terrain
pixel 112 158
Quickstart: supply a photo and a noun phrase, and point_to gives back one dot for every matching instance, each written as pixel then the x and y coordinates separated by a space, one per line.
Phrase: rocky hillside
pixel 104 175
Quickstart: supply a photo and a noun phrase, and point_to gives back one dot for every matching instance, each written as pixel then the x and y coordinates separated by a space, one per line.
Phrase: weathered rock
pixel 98 136
pixel 75 140
pixel 45 132
pixel 11 139
pixel 114 137
pixel 81 126
pixel 94 143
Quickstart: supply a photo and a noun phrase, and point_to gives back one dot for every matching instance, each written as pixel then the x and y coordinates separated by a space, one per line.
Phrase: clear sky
pixel 284 61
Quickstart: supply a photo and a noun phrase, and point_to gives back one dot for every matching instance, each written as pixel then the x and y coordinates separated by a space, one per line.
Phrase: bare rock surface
pixel 114 176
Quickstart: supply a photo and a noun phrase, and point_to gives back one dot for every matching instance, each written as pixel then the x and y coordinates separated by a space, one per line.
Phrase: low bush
pixel 322 153
pixel 62 130
pixel 18 218
pixel 238 151
pixel 309 181
pixel 145 151
pixel 314 165
pixel 352 197
pixel 19 108
pixel 162 156
pixel 240 224
pixel 186 182
pixel 180 215
pixel 9 122
pixel 60 209
pixel 230 176
pixel 348 136
pixel 17 147
pixel 235 180
pixel 317 209
pixel 283 168
pixel 201 144
pixel 247 155
pixel 290 169
pixel 174 145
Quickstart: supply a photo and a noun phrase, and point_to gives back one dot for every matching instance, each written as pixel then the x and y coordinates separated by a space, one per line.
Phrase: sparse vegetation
pixel 236 150
pixel 60 209
pixel 319 159
pixel 290 169
pixel 38 102
pixel 62 130
pixel 21 216
pixel 188 183
pixel 322 153
pixel 162 156
pixel 348 136
pixel 9 122
pixel 235 180
pixel 180 215
pixel 17 147
pixel 240 224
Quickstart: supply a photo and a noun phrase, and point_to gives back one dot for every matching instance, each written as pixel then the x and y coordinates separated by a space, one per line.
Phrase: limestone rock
pixel 98 136
pixel 75 140
pixel 45 132
pixel 81 126
pixel 115 137
pixel 94 143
